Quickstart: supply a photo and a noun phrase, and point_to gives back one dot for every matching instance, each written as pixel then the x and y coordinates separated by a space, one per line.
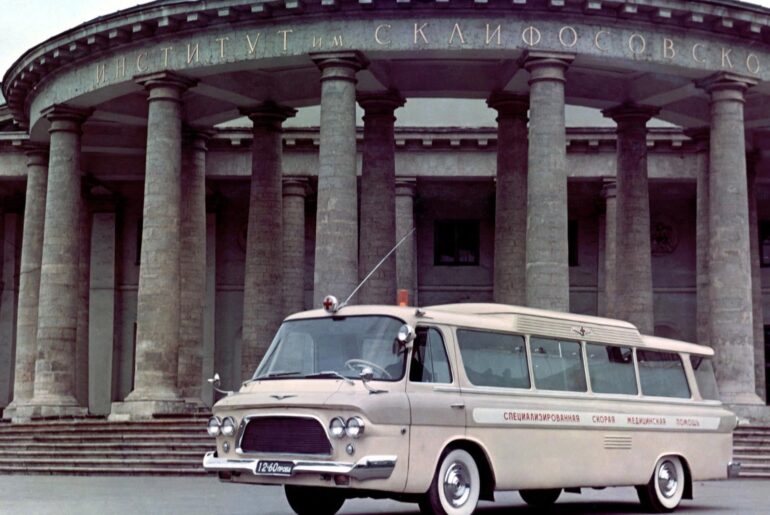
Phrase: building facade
pixel 162 213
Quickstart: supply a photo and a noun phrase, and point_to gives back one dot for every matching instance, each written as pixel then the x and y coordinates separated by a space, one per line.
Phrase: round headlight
pixel 354 427
pixel 337 427
pixel 214 426
pixel 228 426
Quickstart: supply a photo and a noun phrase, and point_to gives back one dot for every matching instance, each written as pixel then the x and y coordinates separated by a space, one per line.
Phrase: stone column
pixel 633 283
pixel 406 255
pixel 609 192
pixel 192 264
pixel 756 282
pixel 157 338
pixel 294 193
pixel 262 311
pixel 378 198
pixel 58 308
pixel 29 280
pixel 729 248
pixel 701 137
pixel 84 283
pixel 510 198
pixel 546 243
pixel 336 252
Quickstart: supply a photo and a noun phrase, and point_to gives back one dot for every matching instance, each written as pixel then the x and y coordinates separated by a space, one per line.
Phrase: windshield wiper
pixel 330 373
pixel 273 375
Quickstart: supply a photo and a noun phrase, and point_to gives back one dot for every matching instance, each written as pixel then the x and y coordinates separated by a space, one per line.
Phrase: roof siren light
pixel 330 304
pixel 403 297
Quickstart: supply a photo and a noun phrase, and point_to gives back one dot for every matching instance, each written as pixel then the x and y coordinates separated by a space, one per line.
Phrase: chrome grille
pixel 285 435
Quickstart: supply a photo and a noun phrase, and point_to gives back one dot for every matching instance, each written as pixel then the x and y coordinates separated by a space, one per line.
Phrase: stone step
pixel 740 449
pixel 107 446
pixel 106 437
pixel 113 453
pixel 108 462
pixel 756 458
pixel 99 471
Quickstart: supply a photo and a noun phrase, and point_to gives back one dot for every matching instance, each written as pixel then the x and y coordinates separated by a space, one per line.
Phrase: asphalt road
pixel 61 495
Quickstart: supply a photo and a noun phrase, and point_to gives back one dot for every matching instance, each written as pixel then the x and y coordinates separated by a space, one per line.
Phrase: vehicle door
pixel 436 405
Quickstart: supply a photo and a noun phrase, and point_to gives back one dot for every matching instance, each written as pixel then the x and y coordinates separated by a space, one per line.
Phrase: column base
pixel 146 409
pixel 742 398
pixel 27 412
pixel 751 413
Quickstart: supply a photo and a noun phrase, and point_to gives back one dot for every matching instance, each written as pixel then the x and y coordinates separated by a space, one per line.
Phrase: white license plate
pixel 275 468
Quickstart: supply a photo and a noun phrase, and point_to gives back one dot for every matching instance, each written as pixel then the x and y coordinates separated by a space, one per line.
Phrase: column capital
pixel 268 115
pixel 380 103
pixel 609 189
pixel 406 187
pixel 165 85
pixel 65 118
pixel 37 155
pixel 729 82
pixel 631 114
pixel 509 104
pixel 339 65
pixel 701 136
pixel 195 138
pixel 546 65
pixel 295 187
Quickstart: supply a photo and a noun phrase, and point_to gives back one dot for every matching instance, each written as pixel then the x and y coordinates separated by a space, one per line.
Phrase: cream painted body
pixel 570 440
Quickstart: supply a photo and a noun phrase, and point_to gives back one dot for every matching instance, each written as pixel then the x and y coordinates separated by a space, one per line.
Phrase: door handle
pixel 458 405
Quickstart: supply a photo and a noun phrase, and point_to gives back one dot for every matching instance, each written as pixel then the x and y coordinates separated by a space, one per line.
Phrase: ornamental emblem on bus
pixel 582 331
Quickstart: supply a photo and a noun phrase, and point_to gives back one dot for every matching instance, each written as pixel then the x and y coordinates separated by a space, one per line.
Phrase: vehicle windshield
pixel 336 347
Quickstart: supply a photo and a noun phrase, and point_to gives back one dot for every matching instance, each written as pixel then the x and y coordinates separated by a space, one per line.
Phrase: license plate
pixel 275 468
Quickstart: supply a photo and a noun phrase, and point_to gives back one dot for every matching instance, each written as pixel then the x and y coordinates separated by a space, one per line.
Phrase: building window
pixel 764 243
pixel 456 243
pixel 572 242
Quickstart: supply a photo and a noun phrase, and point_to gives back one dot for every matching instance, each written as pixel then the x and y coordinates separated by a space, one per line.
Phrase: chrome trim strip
pixel 368 467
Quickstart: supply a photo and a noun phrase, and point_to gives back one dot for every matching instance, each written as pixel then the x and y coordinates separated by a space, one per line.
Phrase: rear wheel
pixel 666 486
pixel 456 486
pixel 540 498
pixel 308 500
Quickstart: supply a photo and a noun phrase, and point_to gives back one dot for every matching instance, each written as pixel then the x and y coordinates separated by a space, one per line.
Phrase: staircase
pixel 169 446
pixel 751 447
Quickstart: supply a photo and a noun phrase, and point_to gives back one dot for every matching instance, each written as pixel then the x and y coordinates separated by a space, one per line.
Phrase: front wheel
pixel 540 498
pixel 456 486
pixel 666 486
pixel 308 500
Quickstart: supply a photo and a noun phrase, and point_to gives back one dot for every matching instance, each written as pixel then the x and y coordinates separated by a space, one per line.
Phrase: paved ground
pixel 43 495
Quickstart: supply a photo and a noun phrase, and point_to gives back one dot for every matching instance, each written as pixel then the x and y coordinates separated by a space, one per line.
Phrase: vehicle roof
pixel 508 318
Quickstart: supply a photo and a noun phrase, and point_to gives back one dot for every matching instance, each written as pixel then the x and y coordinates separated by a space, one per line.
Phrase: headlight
pixel 228 426
pixel 354 427
pixel 214 426
pixel 337 427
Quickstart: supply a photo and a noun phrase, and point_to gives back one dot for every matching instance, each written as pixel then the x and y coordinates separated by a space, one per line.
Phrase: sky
pixel 25 23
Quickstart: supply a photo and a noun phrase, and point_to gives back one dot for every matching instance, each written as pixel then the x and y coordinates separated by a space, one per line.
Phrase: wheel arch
pixel 479 454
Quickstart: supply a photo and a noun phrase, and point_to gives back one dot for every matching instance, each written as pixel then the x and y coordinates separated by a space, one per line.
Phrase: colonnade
pixel 531 258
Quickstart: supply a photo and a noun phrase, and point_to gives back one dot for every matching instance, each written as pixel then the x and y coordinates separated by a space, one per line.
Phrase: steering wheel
pixel 362 363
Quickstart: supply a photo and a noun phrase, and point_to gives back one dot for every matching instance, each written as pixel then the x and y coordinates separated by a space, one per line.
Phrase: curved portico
pixel 203 64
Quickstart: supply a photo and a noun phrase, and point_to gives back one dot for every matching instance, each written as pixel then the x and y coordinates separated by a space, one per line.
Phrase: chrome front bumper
pixel 368 467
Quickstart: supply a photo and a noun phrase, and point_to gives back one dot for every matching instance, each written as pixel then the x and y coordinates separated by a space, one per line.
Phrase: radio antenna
pixel 345 302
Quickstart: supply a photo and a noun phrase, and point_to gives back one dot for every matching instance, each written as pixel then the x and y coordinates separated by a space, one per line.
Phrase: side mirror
pixel 215 381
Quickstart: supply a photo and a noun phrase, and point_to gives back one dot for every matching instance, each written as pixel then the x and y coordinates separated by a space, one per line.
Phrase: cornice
pixel 141 23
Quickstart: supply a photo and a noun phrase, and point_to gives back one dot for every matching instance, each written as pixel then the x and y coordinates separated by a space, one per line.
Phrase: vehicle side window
pixel 662 374
pixel 611 369
pixel 429 359
pixel 494 359
pixel 558 365
pixel 704 376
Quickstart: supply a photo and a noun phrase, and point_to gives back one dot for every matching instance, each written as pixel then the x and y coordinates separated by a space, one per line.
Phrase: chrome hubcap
pixel 457 486
pixel 667 479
